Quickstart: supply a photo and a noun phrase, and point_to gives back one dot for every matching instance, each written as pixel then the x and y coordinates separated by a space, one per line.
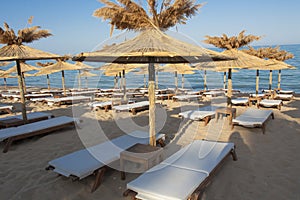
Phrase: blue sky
pixel 76 30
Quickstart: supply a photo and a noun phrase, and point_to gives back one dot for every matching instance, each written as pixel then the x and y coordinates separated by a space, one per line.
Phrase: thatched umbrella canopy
pixel 14 50
pixel 151 46
pixel 276 57
pixel 144 70
pixel 231 45
pixel 60 66
pixel 86 74
pixel 4 64
pixel 47 75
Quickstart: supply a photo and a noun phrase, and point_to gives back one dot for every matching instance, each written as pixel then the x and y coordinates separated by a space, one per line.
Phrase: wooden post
pixel 151 92
pixel 229 91
pixel 20 83
pixel 156 78
pixel 205 84
pixel 257 82
pixel 279 79
pixel 182 81
pixel 48 81
pixel 24 84
pixel 224 81
pixel 5 83
pixel 176 81
pixel 79 79
pixel 63 82
pixel 86 82
pixel 115 81
pixel 121 80
pixel 270 79
pixel 124 85
pixel 145 81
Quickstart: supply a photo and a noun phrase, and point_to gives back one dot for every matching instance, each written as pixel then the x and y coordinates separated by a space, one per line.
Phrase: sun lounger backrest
pixel 200 155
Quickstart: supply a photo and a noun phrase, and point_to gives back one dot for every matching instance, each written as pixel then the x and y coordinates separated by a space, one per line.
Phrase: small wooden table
pixel 227 111
pixel 254 98
pixel 145 155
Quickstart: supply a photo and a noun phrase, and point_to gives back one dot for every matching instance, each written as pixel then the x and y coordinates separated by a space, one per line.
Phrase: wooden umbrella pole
pixel 79 79
pixel 24 84
pixel 205 84
pixel 20 83
pixel 86 83
pixel 270 79
pixel 229 91
pixel 63 82
pixel 176 81
pixel 224 81
pixel 257 82
pixel 151 92
pixel 5 83
pixel 48 81
pixel 121 80
pixel 156 78
pixel 144 80
pixel 279 79
pixel 182 81
pixel 124 85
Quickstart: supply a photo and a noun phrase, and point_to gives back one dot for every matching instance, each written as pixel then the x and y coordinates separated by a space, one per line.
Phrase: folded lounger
pixel 133 107
pixel 183 175
pixel 204 113
pixel 17 120
pixel 270 103
pixel 240 101
pixel 253 118
pixel 6 108
pixel 36 128
pixel 95 159
pixel 187 97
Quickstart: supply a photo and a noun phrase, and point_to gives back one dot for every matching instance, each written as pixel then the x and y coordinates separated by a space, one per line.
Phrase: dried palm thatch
pixel 15 50
pixel 25 68
pixel 127 14
pixel 234 42
pixel 152 45
pixel 4 64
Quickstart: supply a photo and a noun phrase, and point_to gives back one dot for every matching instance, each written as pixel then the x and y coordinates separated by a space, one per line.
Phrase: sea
pixel 243 80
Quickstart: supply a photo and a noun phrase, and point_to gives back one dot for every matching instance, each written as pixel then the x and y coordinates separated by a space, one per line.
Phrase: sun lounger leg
pixel 263 128
pixel 99 175
pixel 130 193
pixel 161 142
pixel 206 120
pixel 7 144
pixel 233 154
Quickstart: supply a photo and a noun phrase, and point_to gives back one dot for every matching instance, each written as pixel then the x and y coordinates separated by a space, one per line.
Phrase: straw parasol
pixel 47 75
pixel 14 50
pixel 178 69
pixel 60 66
pixel 231 45
pixel 151 46
pixel 84 67
pixel 86 74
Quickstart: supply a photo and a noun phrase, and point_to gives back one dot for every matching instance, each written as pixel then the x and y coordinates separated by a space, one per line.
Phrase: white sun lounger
pixel 133 107
pixel 187 97
pixel 285 91
pixel 17 120
pixel 240 101
pixel 6 108
pixel 270 103
pixel 253 118
pixel 284 96
pixel 32 129
pixel 184 174
pixel 66 100
pixel 85 162
pixel 204 113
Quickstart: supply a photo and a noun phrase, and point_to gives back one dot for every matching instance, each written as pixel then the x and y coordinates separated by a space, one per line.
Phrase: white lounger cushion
pixel 270 102
pixel 33 127
pixel 186 97
pixel 286 91
pixel 84 162
pixel 239 101
pixel 100 104
pixel 177 177
pixel 131 106
pixel 252 117
pixel 284 96
pixel 30 116
pixel 196 114
pixel 4 106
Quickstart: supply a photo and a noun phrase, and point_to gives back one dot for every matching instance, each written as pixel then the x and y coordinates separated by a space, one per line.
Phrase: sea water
pixel 243 80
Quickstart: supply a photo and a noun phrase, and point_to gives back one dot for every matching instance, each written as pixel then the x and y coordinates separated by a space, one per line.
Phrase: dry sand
pixel 268 165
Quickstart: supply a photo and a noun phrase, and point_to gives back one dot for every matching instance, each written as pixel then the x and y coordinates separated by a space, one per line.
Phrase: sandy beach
pixel 268 165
